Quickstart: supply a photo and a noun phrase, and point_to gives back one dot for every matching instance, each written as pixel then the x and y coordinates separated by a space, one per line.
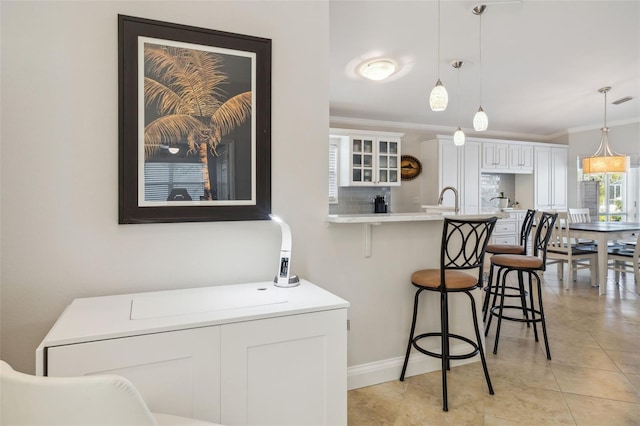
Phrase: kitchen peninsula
pixel 370 220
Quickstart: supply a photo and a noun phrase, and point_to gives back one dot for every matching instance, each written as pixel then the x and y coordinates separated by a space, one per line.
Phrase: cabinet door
pixel 559 159
pixel 470 178
pixel 550 178
pixel 175 372
pixel 388 162
pixel 448 157
pixel 521 157
pixel 488 156
pixel 362 160
pixel 542 179
pixel 286 371
pixel 502 156
pixel 495 155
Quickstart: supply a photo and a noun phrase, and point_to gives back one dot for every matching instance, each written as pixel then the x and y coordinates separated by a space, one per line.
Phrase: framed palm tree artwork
pixel 194 123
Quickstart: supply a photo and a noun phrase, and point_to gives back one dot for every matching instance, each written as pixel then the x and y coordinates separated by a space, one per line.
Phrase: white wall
pixel 60 238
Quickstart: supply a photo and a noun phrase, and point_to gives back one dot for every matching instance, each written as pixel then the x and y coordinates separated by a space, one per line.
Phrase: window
pixel 612 197
pixel 333 171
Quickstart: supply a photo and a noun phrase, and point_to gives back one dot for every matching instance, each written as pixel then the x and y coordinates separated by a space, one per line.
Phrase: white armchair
pixel 83 401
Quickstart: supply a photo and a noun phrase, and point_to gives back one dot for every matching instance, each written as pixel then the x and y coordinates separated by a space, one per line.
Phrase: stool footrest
pixel 497 291
pixel 495 311
pixel 471 354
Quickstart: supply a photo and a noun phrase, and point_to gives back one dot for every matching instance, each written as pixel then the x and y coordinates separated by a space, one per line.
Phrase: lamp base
pixel 293 281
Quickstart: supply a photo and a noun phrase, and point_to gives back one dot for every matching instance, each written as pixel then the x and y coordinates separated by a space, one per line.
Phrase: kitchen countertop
pixel 371 220
pixel 406 217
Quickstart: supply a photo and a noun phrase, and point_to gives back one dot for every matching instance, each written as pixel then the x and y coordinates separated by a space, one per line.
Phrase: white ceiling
pixel 542 63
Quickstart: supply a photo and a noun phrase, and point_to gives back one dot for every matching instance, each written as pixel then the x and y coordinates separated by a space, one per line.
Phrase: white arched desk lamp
pixel 283 277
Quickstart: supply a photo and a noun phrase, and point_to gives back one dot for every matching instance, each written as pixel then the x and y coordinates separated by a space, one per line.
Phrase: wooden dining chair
pixel 625 259
pixel 563 249
pixel 579 215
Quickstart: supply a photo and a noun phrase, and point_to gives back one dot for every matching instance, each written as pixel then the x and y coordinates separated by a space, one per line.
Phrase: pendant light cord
pixel 605 109
pixel 459 94
pixel 438 39
pixel 480 50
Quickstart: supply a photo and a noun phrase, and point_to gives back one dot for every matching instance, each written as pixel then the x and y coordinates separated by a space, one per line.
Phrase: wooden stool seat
pixel 506 249
pixel 454 279
pixel 516 261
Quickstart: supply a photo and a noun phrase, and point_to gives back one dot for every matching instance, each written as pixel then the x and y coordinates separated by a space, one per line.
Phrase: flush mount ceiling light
pixel 439 97
pixel 458 136
pixel 480 120
pixel 378 69
pixel 605 160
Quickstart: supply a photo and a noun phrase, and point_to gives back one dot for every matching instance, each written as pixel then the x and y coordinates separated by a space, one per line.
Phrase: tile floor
pixel 592 379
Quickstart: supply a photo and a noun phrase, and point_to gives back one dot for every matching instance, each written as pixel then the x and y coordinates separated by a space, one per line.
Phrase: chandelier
pixel 605 160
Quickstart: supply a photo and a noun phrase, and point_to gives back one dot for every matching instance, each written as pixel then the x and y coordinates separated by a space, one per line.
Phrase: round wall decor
pixel 410 167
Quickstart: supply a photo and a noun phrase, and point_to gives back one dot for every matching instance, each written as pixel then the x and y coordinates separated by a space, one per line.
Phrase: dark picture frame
pixel 192 152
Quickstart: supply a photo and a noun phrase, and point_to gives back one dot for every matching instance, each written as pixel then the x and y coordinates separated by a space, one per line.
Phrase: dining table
pixel 602 233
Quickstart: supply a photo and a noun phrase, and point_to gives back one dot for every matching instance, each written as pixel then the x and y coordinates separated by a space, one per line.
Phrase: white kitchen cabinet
pixel 507 157
pixel 550 178
pixel 507 230
pixel 521 158
pixel 459 167
pixel 237 355
pixel 368 158
pixel 495 156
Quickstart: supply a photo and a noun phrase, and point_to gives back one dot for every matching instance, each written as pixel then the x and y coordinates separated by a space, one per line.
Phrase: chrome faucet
pixel 455 194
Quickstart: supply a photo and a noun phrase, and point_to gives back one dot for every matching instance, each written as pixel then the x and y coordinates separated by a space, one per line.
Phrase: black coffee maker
pixel 379 205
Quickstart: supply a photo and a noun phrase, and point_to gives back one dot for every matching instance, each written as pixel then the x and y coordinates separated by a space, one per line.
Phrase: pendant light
pixel 480 120
pixel 605 160
pixel 458 136
pixel 439 97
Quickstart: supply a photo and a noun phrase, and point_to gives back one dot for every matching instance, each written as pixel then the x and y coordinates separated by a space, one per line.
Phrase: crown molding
pixel 401 126
pixel 599 126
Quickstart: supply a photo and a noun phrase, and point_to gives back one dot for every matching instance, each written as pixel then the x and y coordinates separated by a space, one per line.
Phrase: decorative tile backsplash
pixel 358 200
pixel 492 185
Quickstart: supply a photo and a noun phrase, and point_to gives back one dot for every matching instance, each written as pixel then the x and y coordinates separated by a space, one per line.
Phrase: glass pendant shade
pixel 439 97
pixel 480 121
pixel 458 137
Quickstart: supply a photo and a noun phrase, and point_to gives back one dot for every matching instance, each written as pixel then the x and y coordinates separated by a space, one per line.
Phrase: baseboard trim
pixel 386 370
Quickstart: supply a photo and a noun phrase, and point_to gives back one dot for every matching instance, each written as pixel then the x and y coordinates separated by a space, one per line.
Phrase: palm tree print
pixel 184 87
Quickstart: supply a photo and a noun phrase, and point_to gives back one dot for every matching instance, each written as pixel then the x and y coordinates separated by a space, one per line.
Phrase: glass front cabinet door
pixel 369 160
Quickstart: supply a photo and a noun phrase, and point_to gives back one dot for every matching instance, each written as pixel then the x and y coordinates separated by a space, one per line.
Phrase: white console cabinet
pixel 244 354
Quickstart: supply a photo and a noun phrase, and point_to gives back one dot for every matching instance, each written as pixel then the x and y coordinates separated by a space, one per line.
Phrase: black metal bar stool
pixel 462 251
pixel 520 249
pixel 530 265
